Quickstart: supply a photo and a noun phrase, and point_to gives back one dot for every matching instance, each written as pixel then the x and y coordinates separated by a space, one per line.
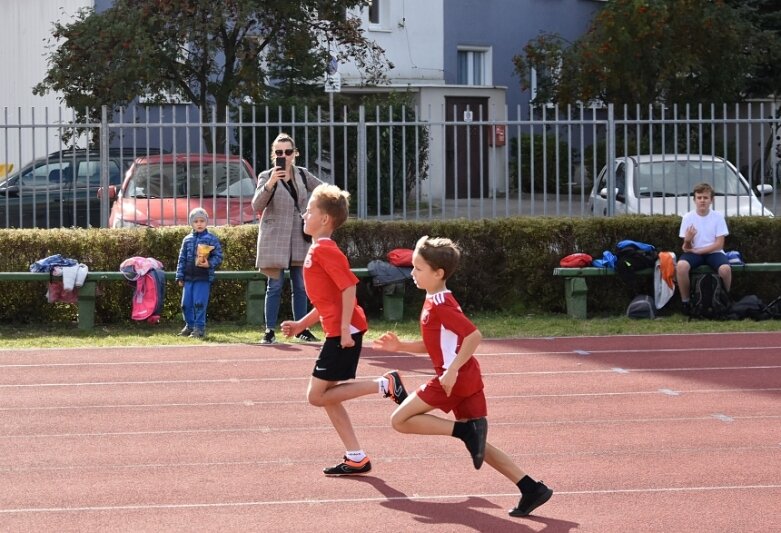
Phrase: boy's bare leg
pixel 343 426
pixel 322 393
pixel 330 395
pixel 501 462
pixel 412 417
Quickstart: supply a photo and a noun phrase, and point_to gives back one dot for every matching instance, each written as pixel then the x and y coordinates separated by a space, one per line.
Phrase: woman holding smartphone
pixel 281 195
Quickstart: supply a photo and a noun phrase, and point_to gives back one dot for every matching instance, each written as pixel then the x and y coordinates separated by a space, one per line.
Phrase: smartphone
pixel 281 162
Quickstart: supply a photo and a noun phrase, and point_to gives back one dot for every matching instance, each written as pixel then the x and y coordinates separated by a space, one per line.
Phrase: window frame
pixel 486 74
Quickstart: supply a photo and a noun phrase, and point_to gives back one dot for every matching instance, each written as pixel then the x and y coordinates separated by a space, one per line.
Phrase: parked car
pixel 662 184
pixel 59 190
pixel 161 190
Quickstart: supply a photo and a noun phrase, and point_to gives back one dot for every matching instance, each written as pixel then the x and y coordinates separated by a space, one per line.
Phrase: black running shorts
pixel 336 363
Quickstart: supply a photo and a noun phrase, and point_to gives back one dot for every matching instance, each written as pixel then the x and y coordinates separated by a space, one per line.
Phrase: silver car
pixel 662 185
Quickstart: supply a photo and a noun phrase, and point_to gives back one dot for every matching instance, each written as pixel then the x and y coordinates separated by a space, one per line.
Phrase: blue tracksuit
pixel 197 280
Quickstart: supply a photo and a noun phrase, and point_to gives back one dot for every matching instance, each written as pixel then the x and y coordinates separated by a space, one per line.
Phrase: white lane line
pixel 670 392
pixel 618 370
pixel 722 417
pixel 306 355
pixel 612 453
pixel 643 351
pixel 290 429
pixel 331 501
pixel 261 403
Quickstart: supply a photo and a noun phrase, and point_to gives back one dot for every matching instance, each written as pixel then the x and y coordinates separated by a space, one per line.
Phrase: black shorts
pixel 336 363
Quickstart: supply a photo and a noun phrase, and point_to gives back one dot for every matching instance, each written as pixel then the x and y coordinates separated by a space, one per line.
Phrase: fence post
pixel 362 209
pixel 610 132
pixel 104 171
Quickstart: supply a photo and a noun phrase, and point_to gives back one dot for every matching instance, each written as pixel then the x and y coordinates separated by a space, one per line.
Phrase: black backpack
pixel 771 310
pixel 641 306
pixel 750 306
pixel 709 298
pixel 630 260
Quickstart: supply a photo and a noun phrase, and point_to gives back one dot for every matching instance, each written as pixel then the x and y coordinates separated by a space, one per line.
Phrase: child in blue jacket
pixel 200 255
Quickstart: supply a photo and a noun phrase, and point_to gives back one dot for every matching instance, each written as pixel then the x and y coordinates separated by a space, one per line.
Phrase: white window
pixel 474 66
pixel 374 12
pixel 378 16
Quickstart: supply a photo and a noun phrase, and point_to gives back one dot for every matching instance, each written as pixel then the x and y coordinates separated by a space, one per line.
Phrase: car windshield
pixel 678 178
pixel 190 179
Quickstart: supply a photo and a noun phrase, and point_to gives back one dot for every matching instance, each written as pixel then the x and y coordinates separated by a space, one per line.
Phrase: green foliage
pixel 542 164
pixel 507 263
pixel 396 156
pixel 651 51
pixel 213 53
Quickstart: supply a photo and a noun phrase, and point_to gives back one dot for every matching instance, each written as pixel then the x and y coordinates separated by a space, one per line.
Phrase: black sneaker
pixel 268 337
pixel 348 468
pixel 197 334
pixel 185 331
pixel 531 500
pixel 476 441
pixel 396 390
pixel 307 336
pixel 686 307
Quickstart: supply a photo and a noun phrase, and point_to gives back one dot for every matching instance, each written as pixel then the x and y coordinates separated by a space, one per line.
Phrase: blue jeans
pixel 274 296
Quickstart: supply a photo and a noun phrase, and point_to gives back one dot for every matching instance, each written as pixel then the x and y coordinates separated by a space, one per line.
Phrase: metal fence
pixel 412 163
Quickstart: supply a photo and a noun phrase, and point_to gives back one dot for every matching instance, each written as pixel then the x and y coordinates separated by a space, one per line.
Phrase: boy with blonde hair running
pixel 330 286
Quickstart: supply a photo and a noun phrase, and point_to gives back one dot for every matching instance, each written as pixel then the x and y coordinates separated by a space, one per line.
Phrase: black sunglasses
pixel 289 151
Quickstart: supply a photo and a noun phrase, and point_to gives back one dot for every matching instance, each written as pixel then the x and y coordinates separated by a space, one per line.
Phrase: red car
pixel 160 190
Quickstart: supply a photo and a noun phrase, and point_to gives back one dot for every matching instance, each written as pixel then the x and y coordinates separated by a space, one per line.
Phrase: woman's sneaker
pixel 197 334
pixel 307 336
pixel 348 468
pixel 268 337
pixel 185 331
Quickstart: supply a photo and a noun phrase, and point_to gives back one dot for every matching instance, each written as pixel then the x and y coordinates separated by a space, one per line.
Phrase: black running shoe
pixel 197 334
pixel 268 337
pixel 531 500
pixel 396 390
pixel 185 331
pixel 476 441
pixel 348 468
pixel 307 336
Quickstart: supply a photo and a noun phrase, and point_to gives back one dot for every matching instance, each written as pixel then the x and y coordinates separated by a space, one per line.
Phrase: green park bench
pixel 393 304
pixel 576 289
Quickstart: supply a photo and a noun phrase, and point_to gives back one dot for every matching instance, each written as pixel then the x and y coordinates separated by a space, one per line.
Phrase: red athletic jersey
pixel 326 275
pixel 443 326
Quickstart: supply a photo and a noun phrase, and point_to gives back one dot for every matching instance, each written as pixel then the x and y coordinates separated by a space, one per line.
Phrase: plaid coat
pixel 281 241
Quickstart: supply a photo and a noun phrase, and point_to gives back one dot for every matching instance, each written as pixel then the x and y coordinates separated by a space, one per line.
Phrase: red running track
pixel 634 433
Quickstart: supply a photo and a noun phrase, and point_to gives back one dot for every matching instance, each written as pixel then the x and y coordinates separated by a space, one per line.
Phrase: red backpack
pixel 578 260
pixel 400 257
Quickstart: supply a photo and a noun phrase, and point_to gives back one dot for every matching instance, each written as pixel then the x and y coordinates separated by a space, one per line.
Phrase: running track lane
pixel 662 433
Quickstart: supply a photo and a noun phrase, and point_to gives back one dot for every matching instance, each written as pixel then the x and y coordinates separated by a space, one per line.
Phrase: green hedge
pixel 507 263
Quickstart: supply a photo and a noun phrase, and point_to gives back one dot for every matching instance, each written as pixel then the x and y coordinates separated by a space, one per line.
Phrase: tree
pixel 650 51
pixel 765 15
pixel 213 53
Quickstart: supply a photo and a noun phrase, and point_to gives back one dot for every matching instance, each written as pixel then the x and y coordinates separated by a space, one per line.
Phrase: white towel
pixel 81 274
pixel 69 274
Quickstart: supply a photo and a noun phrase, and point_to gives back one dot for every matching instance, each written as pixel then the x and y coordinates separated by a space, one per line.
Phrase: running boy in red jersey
pixel 451 339
pixel 330 286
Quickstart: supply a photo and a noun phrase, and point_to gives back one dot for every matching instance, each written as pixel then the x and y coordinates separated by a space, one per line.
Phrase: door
pixel 466 148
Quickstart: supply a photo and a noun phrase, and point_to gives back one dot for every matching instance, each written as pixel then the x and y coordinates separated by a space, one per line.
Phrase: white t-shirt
pixel 708 227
